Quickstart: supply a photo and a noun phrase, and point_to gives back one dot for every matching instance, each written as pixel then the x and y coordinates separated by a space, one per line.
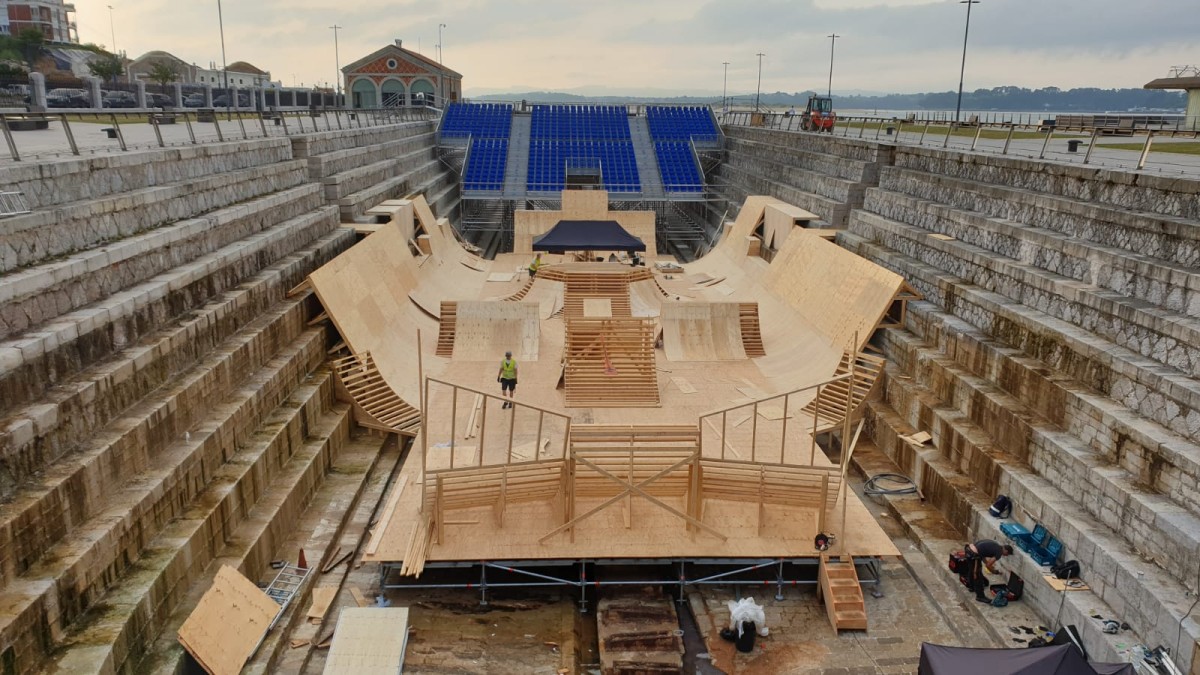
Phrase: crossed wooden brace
pixel 637 488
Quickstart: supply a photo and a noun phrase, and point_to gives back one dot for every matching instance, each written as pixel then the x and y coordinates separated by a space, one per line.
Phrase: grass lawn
pixel 1189 148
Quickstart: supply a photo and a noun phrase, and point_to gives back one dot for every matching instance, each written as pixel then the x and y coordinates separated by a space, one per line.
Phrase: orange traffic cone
pixel 303 563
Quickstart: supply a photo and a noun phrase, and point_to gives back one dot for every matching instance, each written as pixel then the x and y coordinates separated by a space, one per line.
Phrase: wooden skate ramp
pixel 702 331
pixel 610 363
pixel 485 329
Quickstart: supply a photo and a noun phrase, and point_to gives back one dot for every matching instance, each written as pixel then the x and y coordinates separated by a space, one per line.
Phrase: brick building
pixel 394 76
pixel 52 17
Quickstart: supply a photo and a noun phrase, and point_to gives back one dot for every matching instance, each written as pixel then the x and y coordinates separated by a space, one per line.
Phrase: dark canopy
pixel 1053 660
pixel 588 235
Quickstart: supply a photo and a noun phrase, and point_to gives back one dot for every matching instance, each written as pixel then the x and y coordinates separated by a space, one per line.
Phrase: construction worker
pixel 984 552
pixel 533 266
pixel 507 377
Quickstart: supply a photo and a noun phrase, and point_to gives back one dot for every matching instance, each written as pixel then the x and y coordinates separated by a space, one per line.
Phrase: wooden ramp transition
pixel 702 331
pixel 483 330
pixel 376 405
pixel 842 593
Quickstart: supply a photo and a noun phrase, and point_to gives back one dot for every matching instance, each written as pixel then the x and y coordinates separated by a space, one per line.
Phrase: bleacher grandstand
pixel 509 157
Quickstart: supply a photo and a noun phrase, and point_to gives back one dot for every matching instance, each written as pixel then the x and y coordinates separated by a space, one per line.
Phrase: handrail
pixel 831 380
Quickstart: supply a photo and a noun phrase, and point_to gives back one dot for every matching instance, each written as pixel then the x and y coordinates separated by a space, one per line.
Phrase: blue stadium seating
pixel 673 130
pixel 592 134
pixel 488 126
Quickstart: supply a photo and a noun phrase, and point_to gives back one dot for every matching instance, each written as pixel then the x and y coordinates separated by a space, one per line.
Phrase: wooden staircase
pixel 446 324
pixel 610 363
pixel 520 295
pixel 841 592
pixel 376 405
pixel 751 333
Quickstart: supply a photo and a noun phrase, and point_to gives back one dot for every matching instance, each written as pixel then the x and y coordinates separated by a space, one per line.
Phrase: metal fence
pixel 1143 144
pixel 87 132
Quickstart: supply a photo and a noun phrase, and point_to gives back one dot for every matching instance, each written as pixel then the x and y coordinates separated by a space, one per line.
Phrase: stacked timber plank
pixel 163 399
pixel 639 634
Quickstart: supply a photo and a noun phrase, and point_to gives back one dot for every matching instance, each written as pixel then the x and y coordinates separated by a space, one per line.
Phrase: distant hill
pixel 1002 99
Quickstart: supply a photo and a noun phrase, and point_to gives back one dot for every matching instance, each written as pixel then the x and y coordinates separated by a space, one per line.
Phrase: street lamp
pixel 758 91
pixel 113 27
pixel 337 60
pixel 725 88
pixel 832 41
pixel 440 27
pixel 224 66
pixel 966 31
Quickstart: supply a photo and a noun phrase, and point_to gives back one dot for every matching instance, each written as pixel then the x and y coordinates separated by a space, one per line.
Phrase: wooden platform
pixel 718 460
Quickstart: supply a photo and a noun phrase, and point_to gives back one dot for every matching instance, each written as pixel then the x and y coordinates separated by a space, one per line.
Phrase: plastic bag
pixel 747 610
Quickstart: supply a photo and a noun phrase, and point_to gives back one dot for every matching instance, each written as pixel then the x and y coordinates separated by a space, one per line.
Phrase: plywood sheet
pixel 600 308
pixel 780 219
pixel 485 329
pixel 702 331
pixel 228 622
pixel 368 641
pixel 501 276
pixel 365 291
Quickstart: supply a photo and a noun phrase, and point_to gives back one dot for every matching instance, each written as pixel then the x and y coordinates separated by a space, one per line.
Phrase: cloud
pixel 678 45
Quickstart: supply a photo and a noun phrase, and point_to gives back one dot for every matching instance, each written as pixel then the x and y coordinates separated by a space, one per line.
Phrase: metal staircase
pixel 517 169
pixel 647 161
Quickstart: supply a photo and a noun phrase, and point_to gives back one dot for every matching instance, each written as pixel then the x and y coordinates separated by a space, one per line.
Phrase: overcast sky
pixel 677 46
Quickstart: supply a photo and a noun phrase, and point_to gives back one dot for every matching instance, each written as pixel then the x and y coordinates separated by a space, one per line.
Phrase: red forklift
pixel 818 114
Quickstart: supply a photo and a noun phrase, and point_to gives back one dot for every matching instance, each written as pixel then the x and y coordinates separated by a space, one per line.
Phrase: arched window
pixel 393 93
pixel 363 92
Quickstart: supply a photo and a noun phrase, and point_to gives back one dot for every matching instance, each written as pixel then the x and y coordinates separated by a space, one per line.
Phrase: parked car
pixel 68 98
pixel 243 101
pixel 119 99
pixel 193 101
pixel 159 101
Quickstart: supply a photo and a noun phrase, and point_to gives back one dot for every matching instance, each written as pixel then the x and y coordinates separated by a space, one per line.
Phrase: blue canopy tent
pixel 587 235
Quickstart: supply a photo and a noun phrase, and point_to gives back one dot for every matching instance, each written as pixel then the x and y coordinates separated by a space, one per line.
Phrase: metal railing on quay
pixel 1025 139
pixel 58 133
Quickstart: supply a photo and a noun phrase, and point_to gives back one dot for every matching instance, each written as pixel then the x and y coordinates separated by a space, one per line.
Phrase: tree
pixel 164 73
pixel 31 44
pixel 106 67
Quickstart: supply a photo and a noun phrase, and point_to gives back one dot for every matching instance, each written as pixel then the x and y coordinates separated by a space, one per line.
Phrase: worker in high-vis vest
pixel 533 266
pixel 507 377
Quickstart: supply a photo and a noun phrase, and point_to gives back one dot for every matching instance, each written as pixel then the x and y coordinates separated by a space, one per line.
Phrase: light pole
pixel 963 71
pixel 440 27
pixel 758 91
pixel 337 60
pixel 224 66
pixel 112 26
pixel 832 41
pixel 725 88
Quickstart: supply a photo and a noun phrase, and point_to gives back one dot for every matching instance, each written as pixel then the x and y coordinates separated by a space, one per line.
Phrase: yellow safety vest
pixel 533 266
pixel 508 369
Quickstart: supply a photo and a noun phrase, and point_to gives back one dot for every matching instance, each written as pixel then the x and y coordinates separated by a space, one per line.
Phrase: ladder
pixel 283 589
pixel 841 592
pixel 13 204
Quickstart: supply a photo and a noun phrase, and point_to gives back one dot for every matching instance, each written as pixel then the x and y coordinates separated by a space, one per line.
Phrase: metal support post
pixel 1087 156
pixel 117 128
pixel 1145 151
pixel 187 119
pixel 8 138
pixel 978 131
pixel 157 131
pixel 242 124
pixel 923 132
pixel 70 135
pixel 779 578
pixel 217 125
pixel 1046 143
pixel 1008 138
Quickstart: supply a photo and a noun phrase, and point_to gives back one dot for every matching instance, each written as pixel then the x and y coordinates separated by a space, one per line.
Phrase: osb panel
pixel 228 622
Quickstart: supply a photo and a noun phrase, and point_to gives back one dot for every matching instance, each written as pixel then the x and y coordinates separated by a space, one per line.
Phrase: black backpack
pixel 1001 508
pixel 1067 570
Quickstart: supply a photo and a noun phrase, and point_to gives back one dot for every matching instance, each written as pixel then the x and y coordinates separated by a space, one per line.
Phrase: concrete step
pixel 1139 592
pixel 363 177
pixel 404 140
pixel 39 294
pixel 1167 337
pixel 1123 501
pixel 776 166
pixel 936 538
pixel 44 509
pixel 78 179
pixel 259 492
pixel 319 143
pixel 1168 238
pixel 845 168
pixel 354 205
pixel 155 489
pixel 1169 285
pixel 1143 386
pixel 38 360
pixel 1109 189
pixel 64 229
pixel 743 182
